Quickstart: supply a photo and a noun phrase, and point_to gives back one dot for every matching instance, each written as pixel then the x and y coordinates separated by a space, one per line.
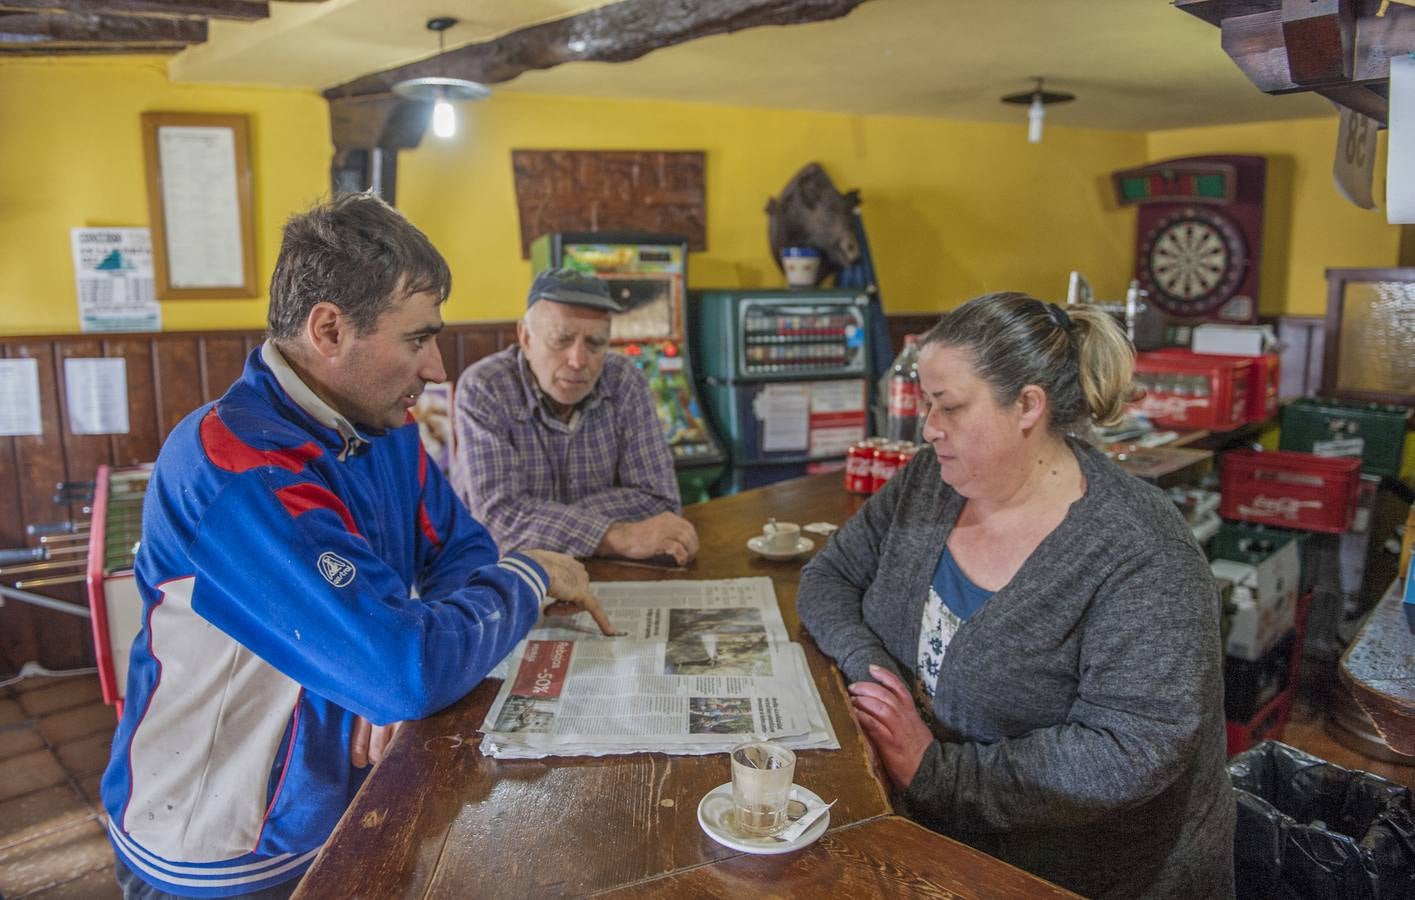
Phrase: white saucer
pixel 716 818
pixel 758 546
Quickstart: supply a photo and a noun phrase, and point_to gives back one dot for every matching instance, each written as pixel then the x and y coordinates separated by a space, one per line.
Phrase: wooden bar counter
pixel 439 819
pixel 1379 670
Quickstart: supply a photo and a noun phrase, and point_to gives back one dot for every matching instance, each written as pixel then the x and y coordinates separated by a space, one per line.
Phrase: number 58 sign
pixel 1355 158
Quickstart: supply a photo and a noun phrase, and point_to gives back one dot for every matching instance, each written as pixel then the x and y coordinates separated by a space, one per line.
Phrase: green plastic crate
pixel 1248 543
pixel 1372 431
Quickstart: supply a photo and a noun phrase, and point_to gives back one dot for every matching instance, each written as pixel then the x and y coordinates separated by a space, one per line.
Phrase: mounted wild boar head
pixel 811 213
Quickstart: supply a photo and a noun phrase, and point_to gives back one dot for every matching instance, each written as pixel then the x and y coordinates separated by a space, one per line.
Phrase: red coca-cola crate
pixel 1271 718
pixel 1268 722
pixel 1184 392
pixel 1290 490
pixel 1264 378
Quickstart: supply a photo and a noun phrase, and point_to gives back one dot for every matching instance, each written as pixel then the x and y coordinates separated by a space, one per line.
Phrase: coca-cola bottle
pixel 902 412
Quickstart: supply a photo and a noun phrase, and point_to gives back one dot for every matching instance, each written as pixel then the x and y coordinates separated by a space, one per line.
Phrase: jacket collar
pixel 352 442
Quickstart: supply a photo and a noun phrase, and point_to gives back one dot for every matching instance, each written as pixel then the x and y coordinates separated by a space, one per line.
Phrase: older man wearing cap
pixel 558 445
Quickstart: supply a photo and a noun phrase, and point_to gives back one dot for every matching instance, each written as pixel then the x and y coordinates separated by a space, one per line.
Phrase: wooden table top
pixel 1379 669
pixel 885 857
pixel 439 819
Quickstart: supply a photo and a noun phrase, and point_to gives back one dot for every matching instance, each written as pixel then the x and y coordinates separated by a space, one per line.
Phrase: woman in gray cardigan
pixel 1033 635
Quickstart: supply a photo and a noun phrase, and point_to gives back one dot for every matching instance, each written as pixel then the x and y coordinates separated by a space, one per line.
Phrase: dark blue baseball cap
pixel 574 288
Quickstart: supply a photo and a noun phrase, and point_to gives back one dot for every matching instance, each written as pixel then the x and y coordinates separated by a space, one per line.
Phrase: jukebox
pixel 785 374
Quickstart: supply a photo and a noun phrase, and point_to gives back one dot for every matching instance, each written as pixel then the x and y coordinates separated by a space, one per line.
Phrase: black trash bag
pixel 1310 829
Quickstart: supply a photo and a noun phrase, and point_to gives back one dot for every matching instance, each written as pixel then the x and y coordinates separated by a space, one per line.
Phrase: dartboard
pixel 1195 259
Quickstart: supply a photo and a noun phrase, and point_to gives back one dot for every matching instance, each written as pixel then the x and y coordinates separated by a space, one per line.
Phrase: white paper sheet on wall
pixel 201 205
pixel 785 414
pixel 97 393
pixel 1400 149
pixel 19 397
pixel 837 396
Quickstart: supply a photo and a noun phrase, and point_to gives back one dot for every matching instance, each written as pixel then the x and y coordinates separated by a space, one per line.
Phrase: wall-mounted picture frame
pixel 199 200
pixel 1370 335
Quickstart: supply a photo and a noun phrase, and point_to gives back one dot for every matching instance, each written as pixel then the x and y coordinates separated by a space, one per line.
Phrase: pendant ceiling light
pixel 442 92
pixel 1036 101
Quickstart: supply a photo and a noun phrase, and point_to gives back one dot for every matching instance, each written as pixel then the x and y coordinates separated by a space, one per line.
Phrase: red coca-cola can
pixel 907 452
pixel 886 463
pixel 859 467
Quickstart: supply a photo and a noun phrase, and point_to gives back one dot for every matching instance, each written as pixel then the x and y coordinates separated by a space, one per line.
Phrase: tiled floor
pixel 54 737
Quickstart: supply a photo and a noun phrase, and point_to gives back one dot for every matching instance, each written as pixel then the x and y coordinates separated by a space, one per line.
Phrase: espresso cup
pixel 781 537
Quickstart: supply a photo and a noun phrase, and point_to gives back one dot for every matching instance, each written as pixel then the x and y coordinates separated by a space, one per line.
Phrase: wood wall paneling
pixel 144 436
pixel 909 323
pixel 179 385
pixel 223 359
pixel 169 375
pixel 18 634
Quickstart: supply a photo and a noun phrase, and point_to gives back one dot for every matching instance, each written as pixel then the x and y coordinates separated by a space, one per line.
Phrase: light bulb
pixel 444 120
pixel 1035 113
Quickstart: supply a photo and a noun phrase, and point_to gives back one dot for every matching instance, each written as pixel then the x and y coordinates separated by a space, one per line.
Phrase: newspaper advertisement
pixel 113 273
pixel 702 666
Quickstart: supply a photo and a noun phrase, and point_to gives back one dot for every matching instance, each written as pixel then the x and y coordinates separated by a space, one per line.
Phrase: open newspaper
pixel 702 666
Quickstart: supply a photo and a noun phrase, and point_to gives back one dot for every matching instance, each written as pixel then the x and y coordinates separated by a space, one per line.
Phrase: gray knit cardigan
pixel 1081 708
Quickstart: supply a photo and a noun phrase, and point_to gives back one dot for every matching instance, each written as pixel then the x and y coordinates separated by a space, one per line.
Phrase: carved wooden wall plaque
pixel 610 190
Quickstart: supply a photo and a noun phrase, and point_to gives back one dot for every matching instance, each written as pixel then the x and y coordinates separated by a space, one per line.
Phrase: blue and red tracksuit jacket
pixel 295 574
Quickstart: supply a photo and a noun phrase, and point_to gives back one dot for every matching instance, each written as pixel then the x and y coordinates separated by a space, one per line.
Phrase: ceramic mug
pixel 781 537
pixel 801 265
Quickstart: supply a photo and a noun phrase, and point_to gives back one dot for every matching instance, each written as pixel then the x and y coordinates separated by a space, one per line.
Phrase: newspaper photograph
pixel 702 666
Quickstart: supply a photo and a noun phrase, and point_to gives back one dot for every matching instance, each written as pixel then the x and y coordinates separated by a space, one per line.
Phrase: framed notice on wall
pixel 199 205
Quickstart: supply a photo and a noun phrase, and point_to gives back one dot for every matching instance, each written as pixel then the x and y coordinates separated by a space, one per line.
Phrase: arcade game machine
pixel 786 376
pixel 648 275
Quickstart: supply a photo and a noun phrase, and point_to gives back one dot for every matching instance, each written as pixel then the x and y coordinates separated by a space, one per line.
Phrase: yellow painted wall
pixel 71 156
pixel 951 209
pixel 1308 226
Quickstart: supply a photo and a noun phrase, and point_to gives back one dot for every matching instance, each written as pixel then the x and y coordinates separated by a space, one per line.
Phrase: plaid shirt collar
pixel 538 404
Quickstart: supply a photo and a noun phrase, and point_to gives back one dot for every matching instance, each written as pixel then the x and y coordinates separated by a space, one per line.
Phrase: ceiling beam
pixel 166 9
pixel 1340 49
pixel 47 48
pixel 1215 11
pixel 617 32
pixel 37 30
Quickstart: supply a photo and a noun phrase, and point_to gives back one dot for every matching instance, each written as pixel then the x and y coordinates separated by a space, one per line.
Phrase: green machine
pixel 648 275
pixel 786 377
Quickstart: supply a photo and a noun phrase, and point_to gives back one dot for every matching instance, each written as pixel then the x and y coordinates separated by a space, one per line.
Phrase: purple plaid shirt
pixel 538 482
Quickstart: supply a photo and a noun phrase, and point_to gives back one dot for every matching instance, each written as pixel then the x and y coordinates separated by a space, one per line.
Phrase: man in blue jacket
pixel 305 572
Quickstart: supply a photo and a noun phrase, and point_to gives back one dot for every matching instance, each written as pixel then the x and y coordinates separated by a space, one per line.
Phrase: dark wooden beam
pixel 1257 44
pixel 91 28
pixel 1364 99
pixel 1215 11
pixel 617 32
pixel 1320 37
pixel 377 120
pixel 46 48
pixel 178 9
pixel 1340 49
